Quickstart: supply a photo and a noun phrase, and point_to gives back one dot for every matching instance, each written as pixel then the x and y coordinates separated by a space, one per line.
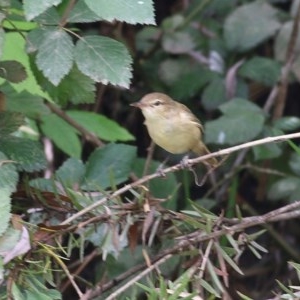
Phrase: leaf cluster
pixel 75 213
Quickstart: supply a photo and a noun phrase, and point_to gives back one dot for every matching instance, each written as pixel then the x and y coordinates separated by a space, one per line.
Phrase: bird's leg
pixel 160 169
pixel 186 165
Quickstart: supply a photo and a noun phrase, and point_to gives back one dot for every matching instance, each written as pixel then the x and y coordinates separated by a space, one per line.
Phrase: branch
pixel 289 60
pixel 89 136
pixel 287 212
pixel 177 167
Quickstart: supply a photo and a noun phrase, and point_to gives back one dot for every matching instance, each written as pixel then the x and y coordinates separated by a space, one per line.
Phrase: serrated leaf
pixel 109 165
pixel 27 154
pixel 62 134
pixel 71 173
pixel 81 13
pixel 249 25
pixel 33 8
pixel 287 123
pixel 130 11
pixel 104 60
pixel 48 17
pixel 84 92
pixel 35 38
pixel 103 127
pixel 214 94
pixel 10 122
pixel 12 71
pixel 27 104
pixel 8 174
pixel 261 69
pixel 163 189
pixel 55 55
pixel 288 187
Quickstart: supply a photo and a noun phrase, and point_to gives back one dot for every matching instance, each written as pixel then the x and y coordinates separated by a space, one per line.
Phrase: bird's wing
pixel 190 116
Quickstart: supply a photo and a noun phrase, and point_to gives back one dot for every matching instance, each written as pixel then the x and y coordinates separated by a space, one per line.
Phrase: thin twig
pixel 89 136
pixel 289 212
pixel 135 279
pixel 177 167
pixel 67 11
pixel 289 60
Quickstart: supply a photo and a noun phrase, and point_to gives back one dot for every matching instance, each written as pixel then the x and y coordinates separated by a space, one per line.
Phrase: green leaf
pixel 249 25
pixel 287 123
pixel 214 94
pixel 62 134
pixel 233 127
pixel 8 174
pixel 160 188
pixel 184 77
pixel 35 38
pixel 103 127
pixel 238 106
pixel 9 239
pixel 2 37
pixel 81 13
pixel 130 11
pixel 243 297
pixel 23 102
pixel 12 71
pixel 282 42
pixel 294 163
pixel 71 173
pixel 261 69
pixel 49 17
pixel 65 91
pixel 229 260
pixel 108 166
pixel 104 60
pixel 55 55
pixel 268 151
pixel 28 154
pixel 10 122
pixel 189 84
pixel 177 42
pixel 14 50
pixel 288 187
pixel 33 8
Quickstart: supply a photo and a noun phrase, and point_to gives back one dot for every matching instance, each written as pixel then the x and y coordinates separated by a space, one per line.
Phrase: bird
pixel 173 126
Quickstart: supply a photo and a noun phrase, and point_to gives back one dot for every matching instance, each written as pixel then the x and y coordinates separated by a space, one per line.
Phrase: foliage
pixel 81 208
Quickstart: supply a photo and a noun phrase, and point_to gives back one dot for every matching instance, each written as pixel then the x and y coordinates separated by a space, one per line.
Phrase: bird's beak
pixel 137 104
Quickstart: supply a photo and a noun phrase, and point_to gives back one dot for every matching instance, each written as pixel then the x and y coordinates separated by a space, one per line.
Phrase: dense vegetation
pixel 89 209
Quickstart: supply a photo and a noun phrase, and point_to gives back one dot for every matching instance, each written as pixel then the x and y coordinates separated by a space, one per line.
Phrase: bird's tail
pixel 201 149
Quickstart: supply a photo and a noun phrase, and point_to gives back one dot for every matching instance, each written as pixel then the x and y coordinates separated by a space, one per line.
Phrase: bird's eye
pixel 157 103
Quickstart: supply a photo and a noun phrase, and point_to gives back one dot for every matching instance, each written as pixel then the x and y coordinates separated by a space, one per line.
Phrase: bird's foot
pixel 184 163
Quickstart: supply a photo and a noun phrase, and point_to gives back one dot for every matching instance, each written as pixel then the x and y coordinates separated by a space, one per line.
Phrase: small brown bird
pixel 172 126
